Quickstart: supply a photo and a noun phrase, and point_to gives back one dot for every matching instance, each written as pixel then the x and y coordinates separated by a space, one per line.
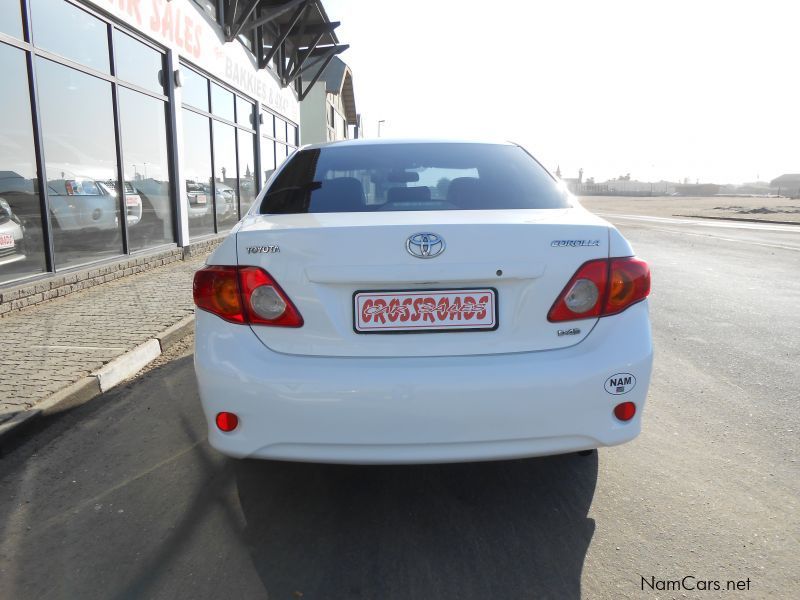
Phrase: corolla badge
pixel 425 245
pixel 574 243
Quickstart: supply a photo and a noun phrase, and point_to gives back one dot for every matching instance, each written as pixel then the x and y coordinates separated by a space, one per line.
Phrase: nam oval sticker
pixel 620 383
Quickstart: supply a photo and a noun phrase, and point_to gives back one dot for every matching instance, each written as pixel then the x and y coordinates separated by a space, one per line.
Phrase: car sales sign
pixel 425 310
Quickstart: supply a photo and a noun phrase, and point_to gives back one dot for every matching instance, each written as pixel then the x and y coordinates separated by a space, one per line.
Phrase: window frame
pixel 253 130
pixel 33 52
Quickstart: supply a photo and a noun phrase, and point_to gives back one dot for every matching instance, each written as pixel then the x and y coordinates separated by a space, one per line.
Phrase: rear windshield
pixel 395 177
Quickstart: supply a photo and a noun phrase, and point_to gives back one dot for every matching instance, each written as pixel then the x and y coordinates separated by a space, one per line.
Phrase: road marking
pixel 727 239
pixel 702 223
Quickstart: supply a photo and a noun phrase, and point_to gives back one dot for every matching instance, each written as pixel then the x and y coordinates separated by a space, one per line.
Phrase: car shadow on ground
pixel 511 529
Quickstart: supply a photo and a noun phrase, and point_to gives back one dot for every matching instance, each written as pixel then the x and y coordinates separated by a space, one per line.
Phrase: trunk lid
pixel 322 260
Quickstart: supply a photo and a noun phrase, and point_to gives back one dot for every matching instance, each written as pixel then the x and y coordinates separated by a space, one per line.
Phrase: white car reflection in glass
pixel 12 235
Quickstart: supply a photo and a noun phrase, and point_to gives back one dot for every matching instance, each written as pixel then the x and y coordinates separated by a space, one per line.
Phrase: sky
pixel 705 90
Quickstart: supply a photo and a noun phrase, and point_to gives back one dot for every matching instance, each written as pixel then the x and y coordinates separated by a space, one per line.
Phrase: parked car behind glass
pixel 79 204
pixel 11 236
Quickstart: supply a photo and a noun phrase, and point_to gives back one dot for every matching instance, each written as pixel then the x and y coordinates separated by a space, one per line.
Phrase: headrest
pixel 343 194
pixel 408 194
pixel 467 193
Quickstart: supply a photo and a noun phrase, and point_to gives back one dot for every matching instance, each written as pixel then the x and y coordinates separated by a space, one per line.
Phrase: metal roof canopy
pixel 297 34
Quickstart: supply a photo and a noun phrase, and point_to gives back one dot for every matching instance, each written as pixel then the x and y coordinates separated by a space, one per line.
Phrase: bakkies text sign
pixel 178 25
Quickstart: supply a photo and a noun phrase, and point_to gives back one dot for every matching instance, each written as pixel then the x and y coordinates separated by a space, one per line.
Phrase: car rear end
pixel 420 302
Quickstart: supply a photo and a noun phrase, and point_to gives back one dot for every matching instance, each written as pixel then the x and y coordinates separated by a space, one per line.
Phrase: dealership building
pixel 137 131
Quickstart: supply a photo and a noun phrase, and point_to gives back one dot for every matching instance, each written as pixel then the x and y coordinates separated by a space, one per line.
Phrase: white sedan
pixel 412 302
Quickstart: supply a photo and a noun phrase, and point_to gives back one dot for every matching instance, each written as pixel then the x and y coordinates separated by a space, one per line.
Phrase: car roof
pixel 397 141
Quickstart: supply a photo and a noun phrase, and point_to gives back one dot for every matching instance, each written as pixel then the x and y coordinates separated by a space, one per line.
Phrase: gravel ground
pixel 761 209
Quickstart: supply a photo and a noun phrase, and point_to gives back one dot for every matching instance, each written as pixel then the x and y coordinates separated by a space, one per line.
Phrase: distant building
pixel 698 189
pixel 329 109
pixel 786 185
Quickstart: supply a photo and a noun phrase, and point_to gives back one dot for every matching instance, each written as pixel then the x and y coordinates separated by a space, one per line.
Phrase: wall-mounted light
pixel 176 77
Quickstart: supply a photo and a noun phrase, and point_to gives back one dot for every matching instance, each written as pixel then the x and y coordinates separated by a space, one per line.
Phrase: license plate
pixel 132 200
pixel 425 310
pixel 200 199
pixel 6 240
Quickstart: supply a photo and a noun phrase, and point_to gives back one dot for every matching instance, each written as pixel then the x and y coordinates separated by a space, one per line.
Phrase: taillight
pixel 244 295
pixel 600 288
pixel 216 289
pixel 265 302
pixel 628 283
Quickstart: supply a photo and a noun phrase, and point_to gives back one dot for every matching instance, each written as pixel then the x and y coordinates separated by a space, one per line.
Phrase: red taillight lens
pixel 244 295
pixel 265 302
pixel 620 282
pixel 625 411
pixel 227 421
pixel 595 271
pixel 216 289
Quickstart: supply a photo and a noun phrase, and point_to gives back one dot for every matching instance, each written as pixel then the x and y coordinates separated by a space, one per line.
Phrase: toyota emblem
pixel 425 245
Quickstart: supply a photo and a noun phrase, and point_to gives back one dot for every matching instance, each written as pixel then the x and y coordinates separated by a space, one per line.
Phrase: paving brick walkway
pixel 46 348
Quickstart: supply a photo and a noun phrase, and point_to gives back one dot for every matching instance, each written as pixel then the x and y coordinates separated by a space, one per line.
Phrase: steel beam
pixel 326 59
pixel 234 29
pixel 284 33
pixel 302 56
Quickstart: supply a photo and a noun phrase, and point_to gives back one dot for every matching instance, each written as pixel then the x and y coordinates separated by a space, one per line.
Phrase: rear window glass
pixel 410 176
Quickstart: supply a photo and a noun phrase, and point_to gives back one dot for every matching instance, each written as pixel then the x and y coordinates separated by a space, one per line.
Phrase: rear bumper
pixel 416 410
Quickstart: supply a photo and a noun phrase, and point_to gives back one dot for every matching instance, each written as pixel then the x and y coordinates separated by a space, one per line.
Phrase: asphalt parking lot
pixel 123 498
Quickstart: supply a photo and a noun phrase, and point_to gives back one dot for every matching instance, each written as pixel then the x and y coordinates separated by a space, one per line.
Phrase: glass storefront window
pixel 291 134
pixel 65 29
pixel 247 170
pixel 267 159
pixel 11 18
pixel 221 102
pixel 146 170
pixel 138 63
pixel 226 197
pixel 244 112
pixel 80 150
pixel 194 89
pixel 21 240
pixel 197 169
pixel 280 129
pixel 268 125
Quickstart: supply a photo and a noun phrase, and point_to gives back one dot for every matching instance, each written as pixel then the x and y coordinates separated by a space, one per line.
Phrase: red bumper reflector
pixel 227 421
pixel 625 411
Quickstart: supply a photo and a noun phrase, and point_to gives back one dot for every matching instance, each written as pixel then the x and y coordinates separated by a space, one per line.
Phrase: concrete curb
pixel 745 219
pixel 105 378
pixel 172 335
pixel 127 365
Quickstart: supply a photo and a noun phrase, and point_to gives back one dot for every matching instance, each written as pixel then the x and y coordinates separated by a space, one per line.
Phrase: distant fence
pixel 789 192
pixel 621 189
pixel 639 189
